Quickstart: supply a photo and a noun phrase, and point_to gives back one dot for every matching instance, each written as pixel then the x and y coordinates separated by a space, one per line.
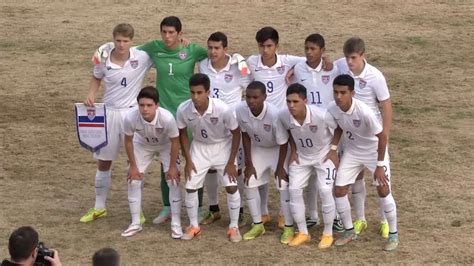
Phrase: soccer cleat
pixel 164 215
pixel 191 232
pixel 383 229
pixel 392 242
pixel 266 218
pixel 326 241
pixel 176 231
pixel 257 230
pixel 132 230
pixel 142 218
pixel 287 235
pixel 312 222
pixel 299 239
pixel 242 220
pixel 281 221
pixel 346 237
pixel 337 226
pixel 93 214
pixel 360 226
pixel 201 215
pixel 234 235
pixel 211 217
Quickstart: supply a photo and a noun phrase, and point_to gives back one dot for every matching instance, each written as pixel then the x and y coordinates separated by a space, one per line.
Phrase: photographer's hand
pixel 54 261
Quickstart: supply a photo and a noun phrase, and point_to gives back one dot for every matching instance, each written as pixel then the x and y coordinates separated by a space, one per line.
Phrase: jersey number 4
pixel 124 82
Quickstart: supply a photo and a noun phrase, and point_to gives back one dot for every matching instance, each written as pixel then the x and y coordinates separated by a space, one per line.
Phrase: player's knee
pixel 360 176
pixel 104 165
pixel 325 193
pixel 296 194
pixel 340 191
pixel 383 191
pixel 231 189
pixel 191 190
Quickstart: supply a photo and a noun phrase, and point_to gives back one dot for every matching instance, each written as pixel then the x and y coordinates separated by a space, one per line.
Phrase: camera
pixel 43 251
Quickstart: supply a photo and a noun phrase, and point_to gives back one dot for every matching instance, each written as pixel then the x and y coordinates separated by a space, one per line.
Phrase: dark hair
pixel 316 39
pixel 218 37
pixel 200 79
pixel 266 33
pixel 22 242
pixel 124 29
pixel 297 88
pixel 171 21
pixel 344 80
pixel 149 92
pixel 257 85
pixel 106 257
pixel 354 45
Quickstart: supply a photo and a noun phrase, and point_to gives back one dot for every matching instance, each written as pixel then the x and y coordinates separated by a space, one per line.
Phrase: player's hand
pixel 231 171
pixel 248 173
pixel 327 64
pixel 89 101
pixel 134 174
pixel 188 168
pixel 294 158
pixel 173 175
pixel 55 261
pixel 281 174
pixel 332 155
pixel 380 176
pixel 289 76
pixel 185 42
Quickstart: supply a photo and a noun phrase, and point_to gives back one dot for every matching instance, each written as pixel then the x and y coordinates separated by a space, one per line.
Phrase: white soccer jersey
pixel 313 138
pixel 273 77
pixel 264 130
pixel 317 82
pixel 213 126
pixel 360 127
pixel 122 84
pixel 227 84
pixel 155 133
pixel 370 86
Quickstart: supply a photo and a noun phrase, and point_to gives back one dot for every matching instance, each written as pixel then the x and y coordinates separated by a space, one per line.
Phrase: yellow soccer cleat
pixel 93 214
pixel 326 241
pixel 287 235
pixel 255 231
pixel 299 239
pixel 383 229
pixel 360 226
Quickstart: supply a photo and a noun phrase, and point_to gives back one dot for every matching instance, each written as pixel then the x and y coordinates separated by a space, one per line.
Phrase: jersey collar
pixel 111 65
pixel 307 119
pixel 363 73
pixel 317 69
pixel 351 110
pixel 225 69
pixel 262 114
pixel 154 122
pixel 208 111
pixel 262 66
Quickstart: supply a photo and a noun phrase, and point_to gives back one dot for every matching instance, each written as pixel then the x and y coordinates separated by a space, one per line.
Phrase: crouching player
pixel 312 130
pixel 365 145
pixel 265 148
pixel 216 138
pixel 150 130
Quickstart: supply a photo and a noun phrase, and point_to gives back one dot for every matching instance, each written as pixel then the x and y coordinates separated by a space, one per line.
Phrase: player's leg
pixel 263 191
pixel 233 203
pixel 358 200
pixel 299 175
pixel 312 200
pixel 326 174
pixel 240 184
pixel 165 213
pixel 212 186
pixel 288 229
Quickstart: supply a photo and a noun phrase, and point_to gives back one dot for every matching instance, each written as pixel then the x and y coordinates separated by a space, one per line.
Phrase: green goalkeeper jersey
pixel 174 68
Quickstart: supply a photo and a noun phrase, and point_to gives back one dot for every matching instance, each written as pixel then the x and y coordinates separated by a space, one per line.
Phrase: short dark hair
pixel 149 92
pixel 106 257
pixel 22 242
pixel 171 21
pixel 218 37
pixel 266 33
pixel 257 85
pixel 344 80
pixel 200 79
pixel 124 29
pixel 297 88
pixel 354 45
pixel 317 39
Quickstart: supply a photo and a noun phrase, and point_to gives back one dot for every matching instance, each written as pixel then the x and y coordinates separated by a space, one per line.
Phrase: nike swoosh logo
pixel 234 208
pixel 328 183
pixel 256 70
pixel 189 119
pixel 176 200
pixel 303 80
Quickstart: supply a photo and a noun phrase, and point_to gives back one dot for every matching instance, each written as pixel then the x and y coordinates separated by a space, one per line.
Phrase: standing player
pixel 312 131
pixel 123 73
pixel 265 147
pixel 155 131
pixel 174 66
pixel 365 144
pixel 371 88
pixel 227 84
pixel 216 138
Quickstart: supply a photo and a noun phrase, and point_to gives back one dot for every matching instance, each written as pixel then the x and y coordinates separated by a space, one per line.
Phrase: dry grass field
pixel 424 48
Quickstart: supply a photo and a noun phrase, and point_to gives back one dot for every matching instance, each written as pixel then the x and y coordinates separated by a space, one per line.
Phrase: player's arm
pixel 332 154
pixel 133 172
pixel 184 140
pixel 293 151
pixel 249 168
pixel 230 168
pixel 93 89
pixel 386 107
pixel 380 170
pixel 173 172
pixel 280 170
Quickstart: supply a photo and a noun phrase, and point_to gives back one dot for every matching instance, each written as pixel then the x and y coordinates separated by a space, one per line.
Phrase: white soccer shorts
pixel 144 155
pixel 302 172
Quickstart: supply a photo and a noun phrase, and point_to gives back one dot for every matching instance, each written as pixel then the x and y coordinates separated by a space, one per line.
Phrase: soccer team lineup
pixel 306 125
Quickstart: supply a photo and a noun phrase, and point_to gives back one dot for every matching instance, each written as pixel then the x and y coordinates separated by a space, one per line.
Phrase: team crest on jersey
pixel 281 70
pixel 91 114
pixel 183 55
pixel 267 127
pixel 362 83
pixel 134 64
pixel 214 120
pixel 325 79
pixel 228 78
pixel 159 130
pixel 356 122
pixel 313 128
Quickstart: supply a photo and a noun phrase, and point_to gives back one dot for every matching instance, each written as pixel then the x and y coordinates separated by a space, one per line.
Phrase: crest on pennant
pixel 228 78
pixel 183 55
pixel 362 83
pixel 313 128
pixel 281 69
pixel 159 130
pixel 356 122
pixel 325 79
pixel 214 120
pixel 267 127
pixel 134 64
pixel 91 114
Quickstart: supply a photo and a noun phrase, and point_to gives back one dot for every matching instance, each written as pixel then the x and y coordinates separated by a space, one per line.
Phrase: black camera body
pixel 42 252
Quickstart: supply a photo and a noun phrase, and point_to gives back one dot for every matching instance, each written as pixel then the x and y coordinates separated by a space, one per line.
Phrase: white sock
pixel 381 212
pixel 103 180
pixel 175 202
pixel 344 209
pixel 358 198
pixel 328 208
pixel 135 199
pixel 252 196
pixel 263 190
pixel 312 198
pixel 390 210
pixel 212 185
pixel 241 186
pixel 298 209
pixel 192 203
pixel 233 202
pixel 285 207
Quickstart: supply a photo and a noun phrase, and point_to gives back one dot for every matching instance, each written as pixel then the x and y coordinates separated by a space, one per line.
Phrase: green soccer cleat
pixel 142 218
pixel 211 217
pixel 392 242
pixel 257 230
pixel 93 214
pixel 383 229
pixel 287 235
pixel 346 237
pixel 337 226
pixel 360 226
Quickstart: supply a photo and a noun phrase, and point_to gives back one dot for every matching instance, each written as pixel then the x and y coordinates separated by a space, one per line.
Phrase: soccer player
pixel 312 131
pixel 123 73
pixel 227 84
pixel 265 148
pixel 174 66
pixel 148 131
pixel 365 146
pixel 216 138
pixel 371 88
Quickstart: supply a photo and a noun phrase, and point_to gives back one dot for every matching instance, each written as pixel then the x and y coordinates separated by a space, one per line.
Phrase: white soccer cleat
pixel 176 231
pixel 132 230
